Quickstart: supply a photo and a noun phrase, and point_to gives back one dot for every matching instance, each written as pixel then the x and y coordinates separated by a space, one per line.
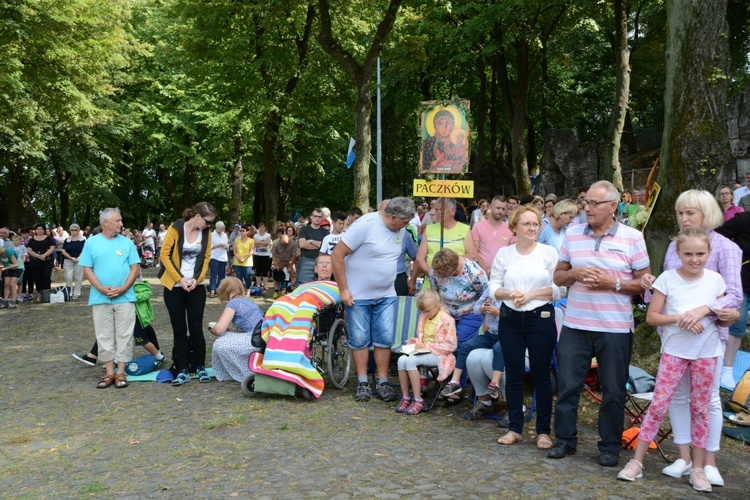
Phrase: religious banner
pixel 445 137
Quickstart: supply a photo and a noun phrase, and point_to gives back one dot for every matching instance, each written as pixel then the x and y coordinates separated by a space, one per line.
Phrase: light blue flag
pixel 350 156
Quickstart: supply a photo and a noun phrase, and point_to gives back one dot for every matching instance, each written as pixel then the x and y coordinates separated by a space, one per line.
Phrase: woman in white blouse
pixel 521 278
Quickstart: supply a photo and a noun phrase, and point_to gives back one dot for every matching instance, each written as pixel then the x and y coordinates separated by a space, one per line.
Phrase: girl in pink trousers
pixel 687 345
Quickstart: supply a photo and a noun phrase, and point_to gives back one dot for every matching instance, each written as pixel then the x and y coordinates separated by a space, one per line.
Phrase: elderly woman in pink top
pixel 727 206
pixel 699 210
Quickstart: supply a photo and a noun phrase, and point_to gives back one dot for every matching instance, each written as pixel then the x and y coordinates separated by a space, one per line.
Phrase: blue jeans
pixel 574 353
pixel 371 321
pixel 486 341
pixel 245 275
pixel 467 326
pixel 218 270
pixel 739 329
pixel 519 331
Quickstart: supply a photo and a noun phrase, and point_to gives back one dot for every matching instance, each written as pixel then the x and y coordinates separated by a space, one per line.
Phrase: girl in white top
pixel 262 255
pixel 686 346
pixel 521 277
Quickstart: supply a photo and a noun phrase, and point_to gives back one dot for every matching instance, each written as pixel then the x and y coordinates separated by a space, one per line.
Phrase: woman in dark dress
pixel 40 248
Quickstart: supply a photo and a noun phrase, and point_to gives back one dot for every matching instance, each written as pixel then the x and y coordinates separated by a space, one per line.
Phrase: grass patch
pixel 22 437
pixel 226 421
pixel 95 487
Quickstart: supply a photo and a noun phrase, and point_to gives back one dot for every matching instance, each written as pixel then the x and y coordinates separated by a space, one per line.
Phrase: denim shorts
pixel 372 322
pixel 739 329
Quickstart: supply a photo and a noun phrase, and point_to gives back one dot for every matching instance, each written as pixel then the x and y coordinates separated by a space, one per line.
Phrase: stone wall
pixel 568 164
pixel 738 130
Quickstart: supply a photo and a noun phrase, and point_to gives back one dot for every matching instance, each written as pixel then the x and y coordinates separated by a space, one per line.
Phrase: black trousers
pixel 186 315
pixel 41 277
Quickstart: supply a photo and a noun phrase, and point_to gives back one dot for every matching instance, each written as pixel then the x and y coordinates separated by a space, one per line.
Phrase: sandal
pixel 543 442
pixel 510 438
pixel 212 295
pixel 121 381
pixel 182 378
pixel 202 375
pixel 105 381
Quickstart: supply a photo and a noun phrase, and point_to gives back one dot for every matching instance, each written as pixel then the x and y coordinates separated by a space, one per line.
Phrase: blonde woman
pixel 562 214
pixel 235 327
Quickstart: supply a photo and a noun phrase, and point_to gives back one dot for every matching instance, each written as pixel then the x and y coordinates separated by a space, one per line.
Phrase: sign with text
pixel 437 189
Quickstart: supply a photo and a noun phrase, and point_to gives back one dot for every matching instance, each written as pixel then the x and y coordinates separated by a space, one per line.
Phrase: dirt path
pixel 61 437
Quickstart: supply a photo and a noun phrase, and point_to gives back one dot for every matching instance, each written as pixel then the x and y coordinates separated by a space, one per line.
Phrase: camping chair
pixel 640 394
pixel 591 384
pixel 740 366
pixel 405 321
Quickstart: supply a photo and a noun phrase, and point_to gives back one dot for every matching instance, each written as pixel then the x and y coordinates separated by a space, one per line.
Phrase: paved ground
pixel 61 437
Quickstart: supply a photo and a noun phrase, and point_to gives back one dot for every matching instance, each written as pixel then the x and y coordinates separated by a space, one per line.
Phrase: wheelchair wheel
pixel 303 393
pixel 338 354
pixel 248 386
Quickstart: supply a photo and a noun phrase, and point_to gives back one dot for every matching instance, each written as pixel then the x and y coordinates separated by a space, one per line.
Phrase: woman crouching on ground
pixel 231 351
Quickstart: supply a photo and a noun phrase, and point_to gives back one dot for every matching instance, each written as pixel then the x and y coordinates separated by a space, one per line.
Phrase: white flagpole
pixel 379 161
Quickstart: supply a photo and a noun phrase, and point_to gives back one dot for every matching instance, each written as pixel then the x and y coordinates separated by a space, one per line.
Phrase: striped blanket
pixel 286 330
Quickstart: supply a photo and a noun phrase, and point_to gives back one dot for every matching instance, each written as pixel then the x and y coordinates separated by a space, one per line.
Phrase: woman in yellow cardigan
pixel 185 254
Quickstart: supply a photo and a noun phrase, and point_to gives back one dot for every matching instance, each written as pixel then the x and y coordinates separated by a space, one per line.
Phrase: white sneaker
pixel 713 476
pixel 678 468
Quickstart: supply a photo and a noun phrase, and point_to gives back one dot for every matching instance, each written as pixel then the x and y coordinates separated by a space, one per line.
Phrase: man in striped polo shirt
pixel 602 262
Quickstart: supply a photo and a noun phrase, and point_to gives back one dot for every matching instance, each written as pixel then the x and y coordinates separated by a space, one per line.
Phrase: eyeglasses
pixel 526 225
pixel 725 193
pixel 208 222
pixel 593 203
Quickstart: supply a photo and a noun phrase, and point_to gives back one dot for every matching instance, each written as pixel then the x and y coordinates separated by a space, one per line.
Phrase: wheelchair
pixel 329 351
pixel 329 345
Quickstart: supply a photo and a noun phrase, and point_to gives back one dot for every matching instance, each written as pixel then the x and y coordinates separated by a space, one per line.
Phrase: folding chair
pixel 640 394
pixel 405 321
pixel 740 366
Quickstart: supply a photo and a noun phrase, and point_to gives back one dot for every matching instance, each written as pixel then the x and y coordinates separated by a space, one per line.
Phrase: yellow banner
pixel 436 189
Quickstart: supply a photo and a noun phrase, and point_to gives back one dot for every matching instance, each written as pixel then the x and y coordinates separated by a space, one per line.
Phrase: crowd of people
pixel 499 265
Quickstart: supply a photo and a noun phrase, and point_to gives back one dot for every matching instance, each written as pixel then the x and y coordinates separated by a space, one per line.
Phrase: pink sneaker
pixel 699 481
pixel 632 471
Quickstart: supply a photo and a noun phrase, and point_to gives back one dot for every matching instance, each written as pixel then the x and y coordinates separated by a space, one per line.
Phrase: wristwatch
pixel 618 285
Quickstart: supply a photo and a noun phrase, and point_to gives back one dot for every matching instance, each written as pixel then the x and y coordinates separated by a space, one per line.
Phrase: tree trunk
pixel 16 191
pixel 612 170
pixel 361 74
pixel 258 201
pixel 62 179
pixel 533 152
pixel 238 177
pixel 363 146
pixel 270 171
pixel 695 146
pixel 481 110
pixel 188 186
pixel 165 177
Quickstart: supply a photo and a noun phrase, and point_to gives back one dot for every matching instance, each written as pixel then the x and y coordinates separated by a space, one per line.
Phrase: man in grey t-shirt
pixel 364 264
